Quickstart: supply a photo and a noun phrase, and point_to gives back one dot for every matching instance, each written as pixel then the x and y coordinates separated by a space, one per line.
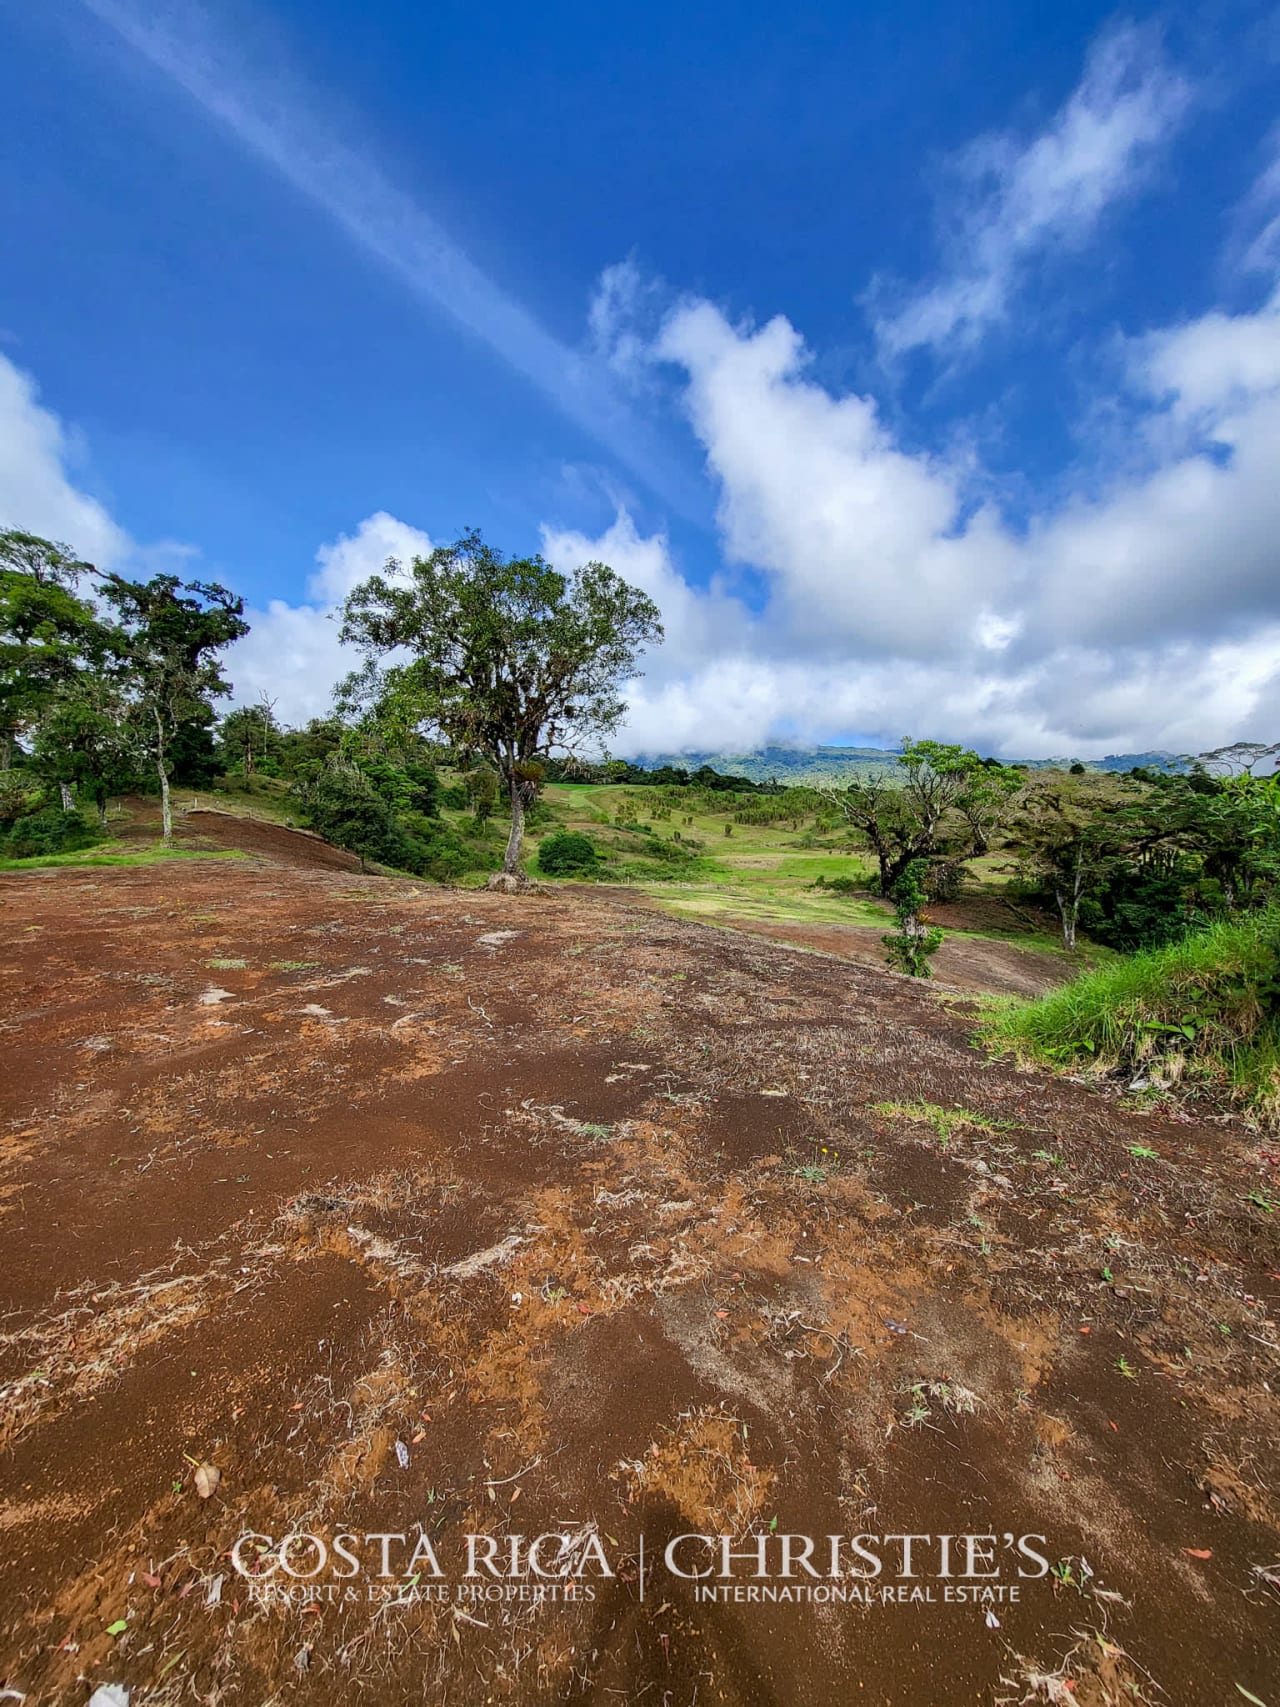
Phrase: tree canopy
pixel 504 657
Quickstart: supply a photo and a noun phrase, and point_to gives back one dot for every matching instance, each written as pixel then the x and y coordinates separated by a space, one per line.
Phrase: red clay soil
pixel 207 827
pixel 443 1214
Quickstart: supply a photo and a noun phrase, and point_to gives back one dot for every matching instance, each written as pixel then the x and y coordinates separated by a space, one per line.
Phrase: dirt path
pixel 603 1218
pixel 962 963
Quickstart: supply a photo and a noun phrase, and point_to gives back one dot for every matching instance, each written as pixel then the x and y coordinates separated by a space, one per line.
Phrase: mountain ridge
pixel 833 763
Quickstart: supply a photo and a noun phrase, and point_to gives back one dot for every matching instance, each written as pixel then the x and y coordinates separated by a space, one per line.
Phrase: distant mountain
pixel 837 764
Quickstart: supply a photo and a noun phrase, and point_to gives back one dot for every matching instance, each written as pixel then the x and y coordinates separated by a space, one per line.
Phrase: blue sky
pixel 924 365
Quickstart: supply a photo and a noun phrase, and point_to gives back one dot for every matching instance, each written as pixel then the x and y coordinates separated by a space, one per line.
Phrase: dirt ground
pixel 426 1213
pixel 976 964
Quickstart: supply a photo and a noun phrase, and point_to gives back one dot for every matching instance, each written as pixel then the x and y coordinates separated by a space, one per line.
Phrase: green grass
pixel 96 856
pixel 944 1121
pixel 1203 1010
pixel 762 873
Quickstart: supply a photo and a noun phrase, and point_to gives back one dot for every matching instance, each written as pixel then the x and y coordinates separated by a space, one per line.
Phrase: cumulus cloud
pixel 291 652
pixel 37 492
pixel 815 491
pixel 1007 201
pixel 1146 615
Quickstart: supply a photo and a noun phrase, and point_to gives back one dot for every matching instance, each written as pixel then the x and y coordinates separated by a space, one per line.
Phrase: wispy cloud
pixel 283 125
pixel 1009 200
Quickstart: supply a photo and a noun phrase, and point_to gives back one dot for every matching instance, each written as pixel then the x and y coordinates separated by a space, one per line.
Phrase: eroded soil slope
pixel 407 1207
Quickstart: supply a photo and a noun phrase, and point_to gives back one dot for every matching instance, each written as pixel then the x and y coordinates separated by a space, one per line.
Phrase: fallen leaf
pixel 207 1477
pixel 118 1628
pixel 1199 1552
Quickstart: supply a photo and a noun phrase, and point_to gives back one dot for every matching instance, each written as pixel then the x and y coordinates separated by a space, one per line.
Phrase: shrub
pixel 21 793
pixel 48 831
pixel 567 853
pixel 345 808
pixel 412 787
pixel 1137 908
pixel 944 879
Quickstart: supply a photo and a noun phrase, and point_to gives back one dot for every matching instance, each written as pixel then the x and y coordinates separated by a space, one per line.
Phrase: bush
pixel 915 942
pixel 944 880
pixel 454 797
pixel 1137 909
pixel 568 853
pixel 413 787
pixel 48 831
pixel 21 793
pixel 343 806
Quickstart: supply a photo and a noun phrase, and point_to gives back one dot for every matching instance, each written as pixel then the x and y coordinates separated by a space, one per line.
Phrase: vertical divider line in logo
pixel 642 1565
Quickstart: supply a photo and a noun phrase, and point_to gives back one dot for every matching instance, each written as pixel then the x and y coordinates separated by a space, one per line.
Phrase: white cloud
pixel 1008 201
pixel 1258 216
pixel 291 653
pixel 37 493
pixel 1148 615
pixel 861 538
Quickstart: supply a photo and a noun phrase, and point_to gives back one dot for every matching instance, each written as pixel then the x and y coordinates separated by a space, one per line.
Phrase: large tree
pixel 47 631
pixel 86 738
pixel 173 634
pixel 507 658
pixel 939 799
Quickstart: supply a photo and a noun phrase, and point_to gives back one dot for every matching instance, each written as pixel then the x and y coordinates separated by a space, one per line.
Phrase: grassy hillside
pixel 764 872
pixel 1204 1012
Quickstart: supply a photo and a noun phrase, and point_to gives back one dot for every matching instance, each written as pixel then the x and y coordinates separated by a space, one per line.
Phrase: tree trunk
pixel 166 811
pixel 511 859
pixel 68 799
pixel 102 812
pixel 1069 907
pixel 1068 912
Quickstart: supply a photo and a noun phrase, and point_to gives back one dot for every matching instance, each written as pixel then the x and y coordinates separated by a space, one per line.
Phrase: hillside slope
pixel 403 1206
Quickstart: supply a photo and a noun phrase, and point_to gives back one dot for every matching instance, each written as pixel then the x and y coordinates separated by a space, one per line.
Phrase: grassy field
pixel 764 872
pixel 118 853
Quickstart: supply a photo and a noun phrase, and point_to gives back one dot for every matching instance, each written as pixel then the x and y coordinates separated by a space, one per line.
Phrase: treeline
pixel 109 687
pixel 623 771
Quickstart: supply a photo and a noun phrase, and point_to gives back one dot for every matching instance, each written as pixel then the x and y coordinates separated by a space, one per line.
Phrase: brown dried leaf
pixel 207 1478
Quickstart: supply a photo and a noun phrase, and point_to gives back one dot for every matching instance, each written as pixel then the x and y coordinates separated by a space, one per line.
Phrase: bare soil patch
pixel 962 963
pixel 429 1212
